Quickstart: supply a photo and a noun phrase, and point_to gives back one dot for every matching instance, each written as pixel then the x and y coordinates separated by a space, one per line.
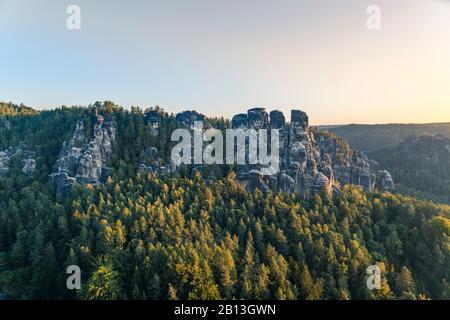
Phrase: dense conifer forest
pixel 148 236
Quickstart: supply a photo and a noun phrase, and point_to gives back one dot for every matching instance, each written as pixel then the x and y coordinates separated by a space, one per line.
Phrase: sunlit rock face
pixel 93 164
pixel 83 160
pixel 311 162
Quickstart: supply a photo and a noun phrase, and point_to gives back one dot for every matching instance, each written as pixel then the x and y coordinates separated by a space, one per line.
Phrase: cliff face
pixel 84 161
pixel 310 161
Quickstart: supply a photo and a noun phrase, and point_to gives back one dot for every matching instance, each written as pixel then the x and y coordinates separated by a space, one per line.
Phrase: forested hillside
pixel 10 109
pixel 150 235
pixel 420 165
pixel 151 238
pixel 369 138
pixel 416 155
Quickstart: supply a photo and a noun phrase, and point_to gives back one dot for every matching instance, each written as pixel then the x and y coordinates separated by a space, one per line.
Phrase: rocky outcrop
pixel 277 119
pixel 28 162
pixel 240 121
pixel 385 181
pixel 5 157
pixel 64 170
pixel 300 119
pixel 311 161
pixel 154 163
pixel 153 119
pixel 187 118
pixel 28 159
pixel 82 160
pixel 258 118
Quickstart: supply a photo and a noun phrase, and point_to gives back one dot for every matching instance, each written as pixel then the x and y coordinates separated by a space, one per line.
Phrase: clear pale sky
pixel 221 57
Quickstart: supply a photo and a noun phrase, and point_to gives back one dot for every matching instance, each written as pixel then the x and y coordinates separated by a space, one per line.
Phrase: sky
pixel 223 57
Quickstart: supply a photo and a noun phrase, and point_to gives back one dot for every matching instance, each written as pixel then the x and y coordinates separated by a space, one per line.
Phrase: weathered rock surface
pixel 310 161
pixel 153 119
pixel 258 118
pixel 187 118
pixel 153 163
pixel 240 121
pixel 85 161
pixel 385 180
pixel 5 157
pixel 28 161
pixel 277 119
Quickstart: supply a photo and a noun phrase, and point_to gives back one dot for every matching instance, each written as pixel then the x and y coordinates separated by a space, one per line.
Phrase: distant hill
pixel 10 109
pixel 420 166
pixel 369 138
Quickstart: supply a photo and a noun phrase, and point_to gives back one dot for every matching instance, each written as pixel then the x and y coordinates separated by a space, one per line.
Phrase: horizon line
pixel 50 108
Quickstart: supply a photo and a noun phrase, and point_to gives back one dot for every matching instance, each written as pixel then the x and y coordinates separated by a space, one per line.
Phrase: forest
pixel 376 137
pixel 142 235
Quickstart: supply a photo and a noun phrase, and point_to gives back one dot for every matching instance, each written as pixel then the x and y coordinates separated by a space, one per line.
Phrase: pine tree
pixel 404 283
pixel 104 283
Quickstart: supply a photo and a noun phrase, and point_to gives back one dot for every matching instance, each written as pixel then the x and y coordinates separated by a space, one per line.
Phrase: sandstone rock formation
pixel 385 181
pixel 310 161
pixel 28 159
pixel 187 118
pixel 28 162
pixel 5 157
pixel 153 163
pixel 85 161
pixel 154 122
